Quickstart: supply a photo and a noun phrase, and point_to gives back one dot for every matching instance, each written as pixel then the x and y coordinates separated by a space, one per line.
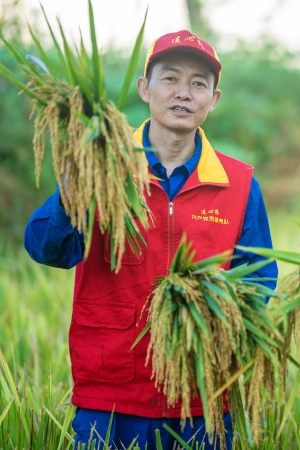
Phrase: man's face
pixel 180 92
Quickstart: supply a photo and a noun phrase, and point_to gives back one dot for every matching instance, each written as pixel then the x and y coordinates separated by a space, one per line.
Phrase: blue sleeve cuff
pixel 256 233
pixel 50 238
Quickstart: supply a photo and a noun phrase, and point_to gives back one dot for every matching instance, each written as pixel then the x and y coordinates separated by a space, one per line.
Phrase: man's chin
pixel 182 128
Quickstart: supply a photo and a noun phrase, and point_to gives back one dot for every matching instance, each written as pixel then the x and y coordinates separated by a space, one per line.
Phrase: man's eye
pixel 198 83
pixel 169 78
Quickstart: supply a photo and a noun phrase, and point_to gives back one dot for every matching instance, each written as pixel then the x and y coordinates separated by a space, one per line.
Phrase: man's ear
pixel 215 99
pixel 142 86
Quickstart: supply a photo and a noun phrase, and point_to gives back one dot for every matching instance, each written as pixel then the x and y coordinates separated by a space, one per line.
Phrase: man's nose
pixel 183 91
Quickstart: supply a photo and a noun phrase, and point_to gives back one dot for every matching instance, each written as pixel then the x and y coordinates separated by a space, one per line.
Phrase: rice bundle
pixel 207 327
pixel 91 141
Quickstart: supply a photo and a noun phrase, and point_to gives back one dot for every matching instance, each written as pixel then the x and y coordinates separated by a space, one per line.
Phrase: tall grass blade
pixel 6 409
pixel 108 431
pixel 15 393
pixel 67 435
pixel 177 437
pixel 68 417
pixel 289 405
pixel 158 442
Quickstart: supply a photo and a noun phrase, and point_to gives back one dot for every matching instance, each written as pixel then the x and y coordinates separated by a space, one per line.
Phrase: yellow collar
pixel 210 169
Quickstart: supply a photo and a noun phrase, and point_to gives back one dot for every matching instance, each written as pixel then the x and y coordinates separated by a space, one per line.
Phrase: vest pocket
pixel 128 258
pixel 104 334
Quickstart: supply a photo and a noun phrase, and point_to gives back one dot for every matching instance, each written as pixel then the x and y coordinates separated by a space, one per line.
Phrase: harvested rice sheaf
pixel 97 157
pixel 207 327
pixel 91 141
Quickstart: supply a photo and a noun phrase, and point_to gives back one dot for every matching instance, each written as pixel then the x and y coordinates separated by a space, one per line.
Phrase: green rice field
pixel 35 377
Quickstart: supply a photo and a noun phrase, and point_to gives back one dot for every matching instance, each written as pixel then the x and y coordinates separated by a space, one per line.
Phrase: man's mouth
pixel 180 109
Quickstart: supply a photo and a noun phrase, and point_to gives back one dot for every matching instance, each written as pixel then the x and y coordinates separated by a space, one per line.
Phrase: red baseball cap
pixel 185 41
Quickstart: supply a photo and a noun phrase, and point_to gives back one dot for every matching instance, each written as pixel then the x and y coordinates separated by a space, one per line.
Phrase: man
pixel 210 196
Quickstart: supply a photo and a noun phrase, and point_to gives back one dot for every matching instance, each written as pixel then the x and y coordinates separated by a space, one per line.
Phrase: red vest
pixel 210 208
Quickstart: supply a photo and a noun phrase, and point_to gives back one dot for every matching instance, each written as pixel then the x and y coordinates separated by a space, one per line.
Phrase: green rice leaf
pixel 136 249
pixel 141 335
pixel 293 361
pixel 288 307
pixel 112 254
pixel 69 57
pixel 215 289
pixel 92 211
pixel 32 71
pixel 211 262
pixel 84 119
pixel 85 60
pixel 175 334
pixel 199 364
pixel 56 44
pixel 13 50
pixel 131 67
pixel 141 238
pixel 214 307
pixel 102 82
pixel 94 129
pixel 42 52
pixel 290 257
pixel 259 333
pixel 198 319
pixel 95 55
pixel 133 198
pixel 188 262
pixel 13 79
pixel 180 255
pixel 245 269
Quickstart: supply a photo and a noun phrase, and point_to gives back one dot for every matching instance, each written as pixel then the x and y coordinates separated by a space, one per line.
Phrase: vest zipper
pixel 171 233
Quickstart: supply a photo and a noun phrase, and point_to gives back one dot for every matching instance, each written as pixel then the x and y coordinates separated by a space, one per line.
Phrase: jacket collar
pixel 210 169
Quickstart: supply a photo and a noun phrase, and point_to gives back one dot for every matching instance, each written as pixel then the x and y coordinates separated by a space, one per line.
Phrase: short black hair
pixel 153 63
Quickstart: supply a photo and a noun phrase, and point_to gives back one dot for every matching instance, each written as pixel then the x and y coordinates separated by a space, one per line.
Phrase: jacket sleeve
pixel 256 233
pixel 50 238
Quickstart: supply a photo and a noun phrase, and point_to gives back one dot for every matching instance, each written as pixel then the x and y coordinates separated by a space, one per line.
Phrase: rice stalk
pixel 91 141
pixel 207 325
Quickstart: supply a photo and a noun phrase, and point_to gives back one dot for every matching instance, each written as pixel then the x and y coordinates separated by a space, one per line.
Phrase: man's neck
pixel 175 147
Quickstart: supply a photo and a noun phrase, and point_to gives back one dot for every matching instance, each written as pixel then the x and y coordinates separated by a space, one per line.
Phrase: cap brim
pixel 213 62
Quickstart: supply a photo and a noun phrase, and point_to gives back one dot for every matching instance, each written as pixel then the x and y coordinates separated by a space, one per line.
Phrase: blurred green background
pixel 256 121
